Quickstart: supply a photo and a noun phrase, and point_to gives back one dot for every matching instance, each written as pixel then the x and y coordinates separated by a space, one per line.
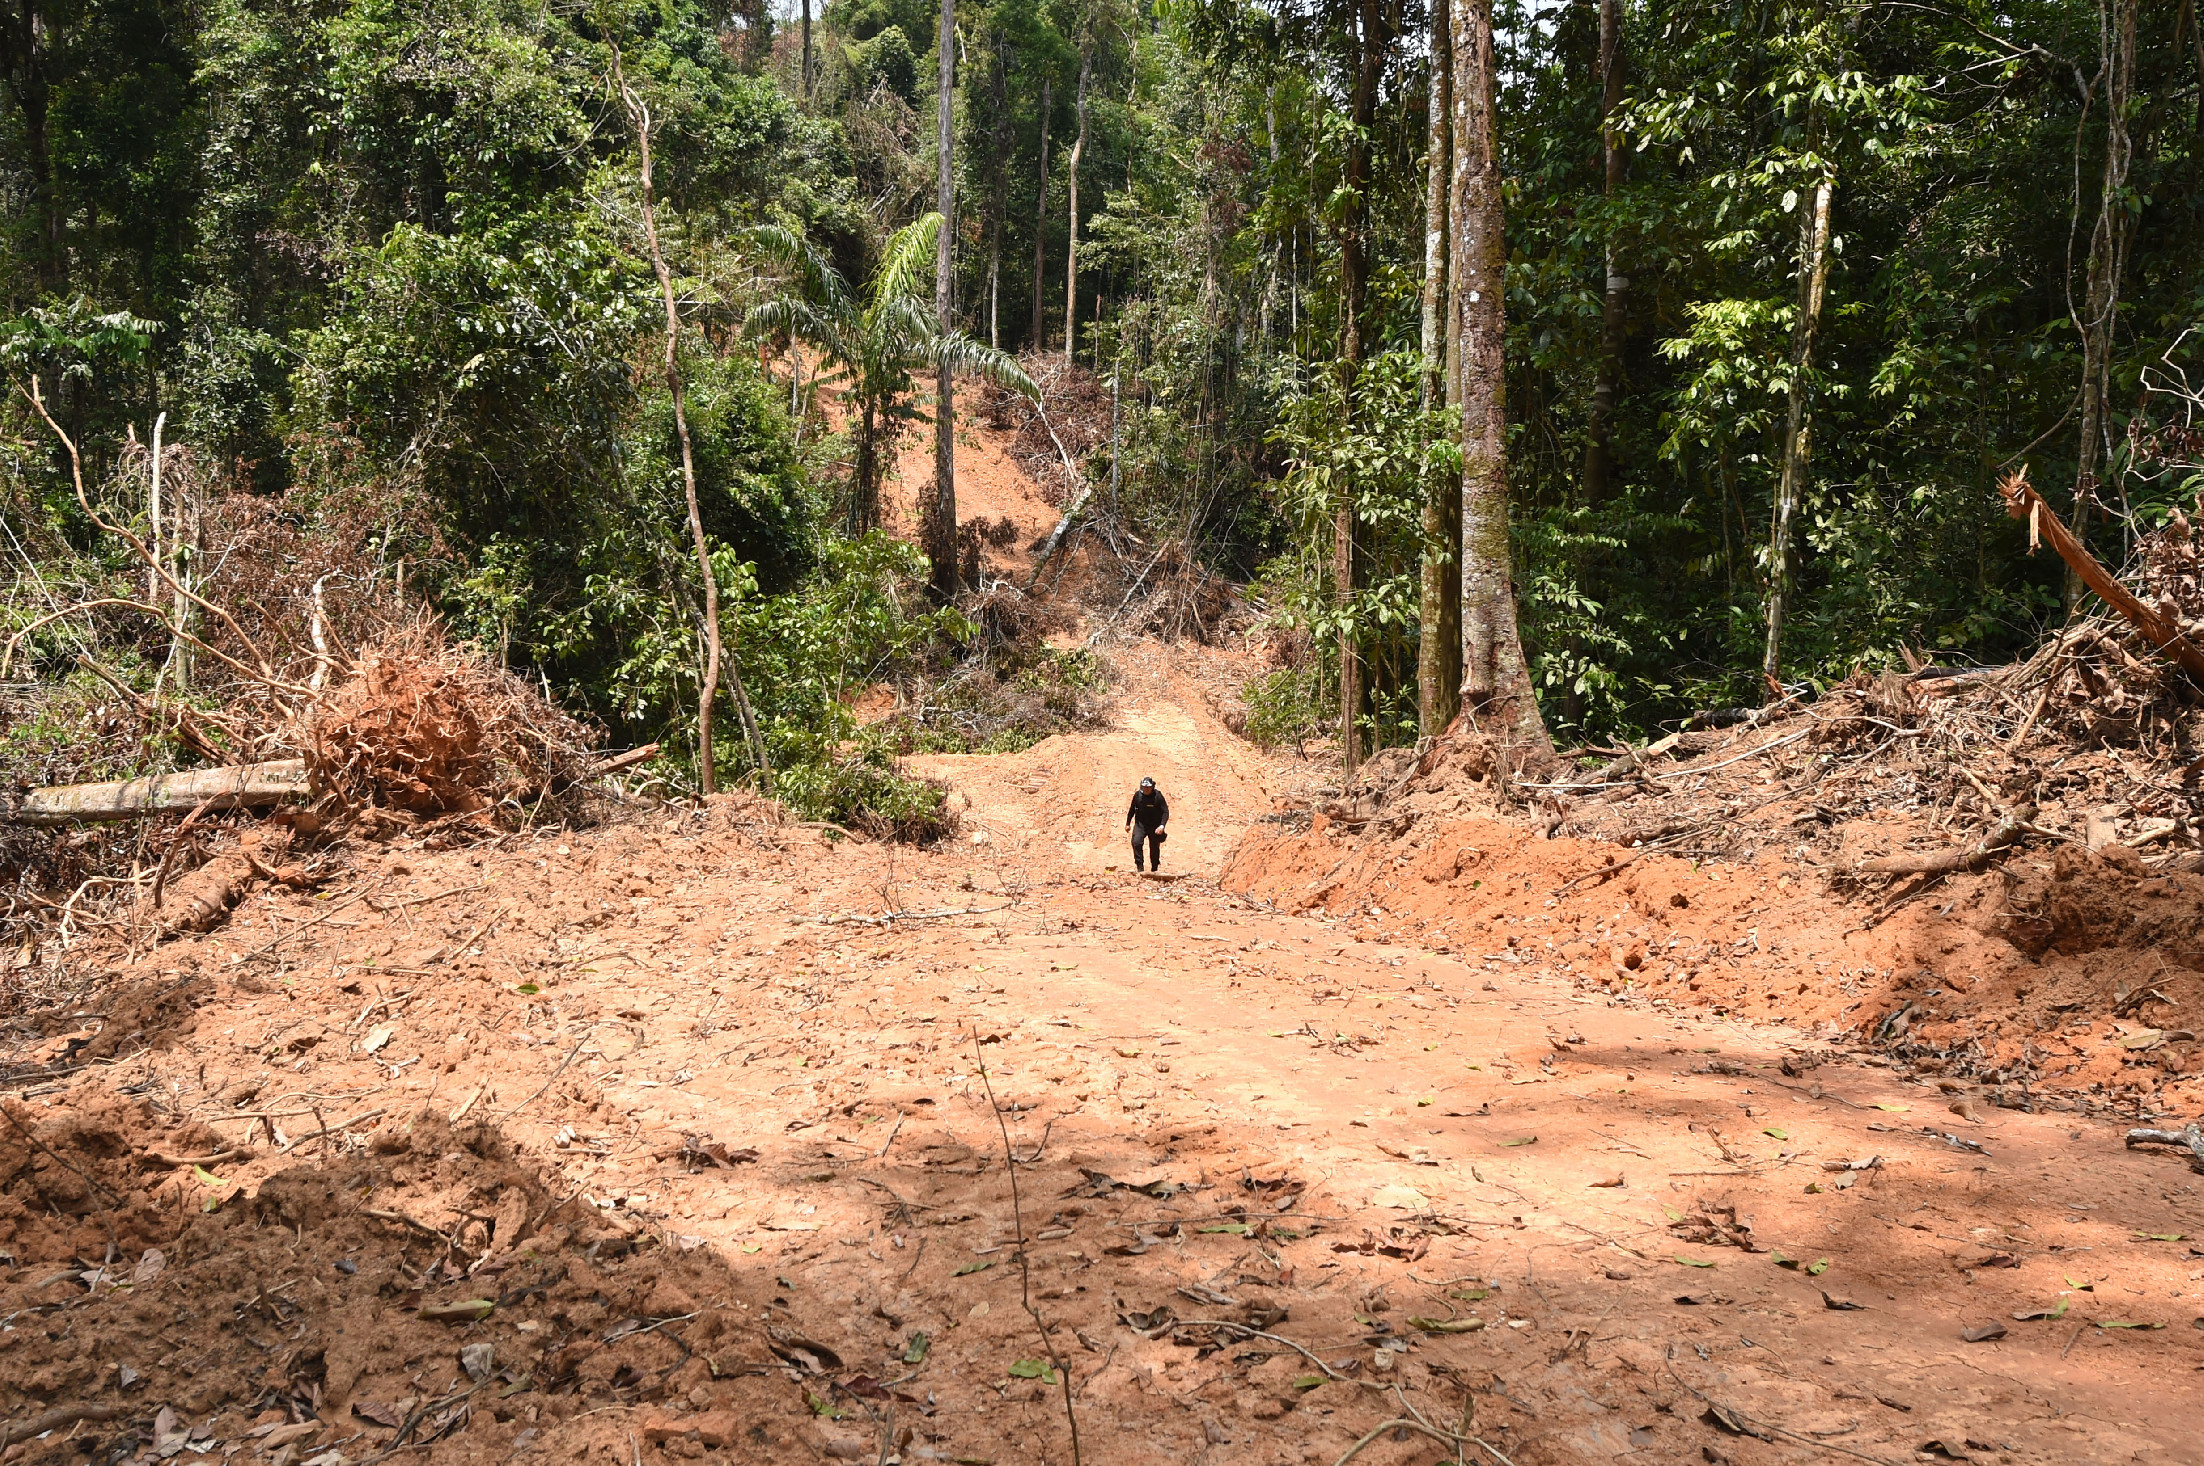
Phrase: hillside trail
pixel 695 1134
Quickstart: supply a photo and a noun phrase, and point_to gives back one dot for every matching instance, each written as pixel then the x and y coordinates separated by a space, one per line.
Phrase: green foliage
pixel 873 341
pixel 1292 704
pixel 1005 701
pixel 384 260
pixel 810 653
pixel 1376 450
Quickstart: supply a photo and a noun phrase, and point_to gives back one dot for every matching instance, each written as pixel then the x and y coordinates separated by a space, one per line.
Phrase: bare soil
pixel 709 1135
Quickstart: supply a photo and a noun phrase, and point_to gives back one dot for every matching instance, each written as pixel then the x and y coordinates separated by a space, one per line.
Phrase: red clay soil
pixel 709 1135
pixel 695 1105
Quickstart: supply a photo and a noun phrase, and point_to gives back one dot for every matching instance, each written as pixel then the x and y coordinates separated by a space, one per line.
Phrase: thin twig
pixel 105 1220
pixel 891 917
pixel 1789 1435
pixel 336 1129
pixel 1255 1333
pixel 1025 1265
pixel 266 947
pixel 555 1073
pixel 432 896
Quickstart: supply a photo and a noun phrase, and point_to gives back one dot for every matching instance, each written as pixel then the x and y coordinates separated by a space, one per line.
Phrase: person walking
pixel 1145 817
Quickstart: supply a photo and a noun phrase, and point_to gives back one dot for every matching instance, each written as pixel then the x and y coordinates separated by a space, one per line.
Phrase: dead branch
pixel 2161 631
pixel 2016 823
pixel 7 655
pixel 1071 511
pixel 620 761
pixel 56 1418
pixel 2189 1138
pixel 266 674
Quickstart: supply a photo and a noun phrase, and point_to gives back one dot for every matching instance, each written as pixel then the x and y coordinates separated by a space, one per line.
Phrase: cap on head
pixel 1147 783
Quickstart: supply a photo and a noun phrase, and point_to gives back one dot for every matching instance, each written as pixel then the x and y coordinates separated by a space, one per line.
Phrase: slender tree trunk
pixel 945 411
pixel 1495 678
pixel 864 503
pixel 1040 231
pixel 23 50
pixel 1071 249
pixel 997 178
pixel 1599 453
pixel 2108 245
pixel 994 281
pixel 1353 283
pixel 1798 432
pixel 1269 305
pixel 1438 642
pixel 2196 43
pixel 807 51
pixel 708 693
pixel 153 512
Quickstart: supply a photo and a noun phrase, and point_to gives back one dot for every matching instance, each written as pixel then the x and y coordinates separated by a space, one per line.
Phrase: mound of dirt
pixel 2064 977
pixel 429 1290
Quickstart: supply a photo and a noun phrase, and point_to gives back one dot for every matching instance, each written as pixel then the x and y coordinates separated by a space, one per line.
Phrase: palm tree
pixel 872 344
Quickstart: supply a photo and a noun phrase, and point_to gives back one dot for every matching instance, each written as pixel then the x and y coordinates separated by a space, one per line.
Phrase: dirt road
pixel 673 1118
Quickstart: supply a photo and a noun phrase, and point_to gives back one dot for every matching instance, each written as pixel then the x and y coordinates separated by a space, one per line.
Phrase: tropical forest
pixel 585 583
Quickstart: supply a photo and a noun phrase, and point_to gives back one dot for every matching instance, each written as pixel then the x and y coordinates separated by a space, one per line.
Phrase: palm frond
pixel 960 353
pixel 908 258
pixel 829 331
pixel 903 324
pixel 821 282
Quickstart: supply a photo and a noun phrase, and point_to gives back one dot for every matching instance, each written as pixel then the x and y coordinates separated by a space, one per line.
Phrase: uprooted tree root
pixel 427 728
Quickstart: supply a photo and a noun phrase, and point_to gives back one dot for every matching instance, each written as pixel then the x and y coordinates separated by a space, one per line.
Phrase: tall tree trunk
pixel 994 281
pixel 1495 678
pixel 1438 642
pixel 807 51
pixel 1798 428
pixel 2108 245
pixel 1071 249
pixel 708 693
pixel 1599 453
pixel 945 411
pixel 1353 285
pixel 997 178
pixel 1040 231
pixel 1268 308
pixel 25 39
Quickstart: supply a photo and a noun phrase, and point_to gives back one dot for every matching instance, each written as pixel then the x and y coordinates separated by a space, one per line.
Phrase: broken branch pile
pixel 2091 741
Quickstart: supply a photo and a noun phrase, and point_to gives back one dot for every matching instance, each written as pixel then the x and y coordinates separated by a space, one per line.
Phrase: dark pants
pixel 1154 840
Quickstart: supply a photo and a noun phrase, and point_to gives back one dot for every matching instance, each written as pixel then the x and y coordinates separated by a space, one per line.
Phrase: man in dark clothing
pixel 1146 817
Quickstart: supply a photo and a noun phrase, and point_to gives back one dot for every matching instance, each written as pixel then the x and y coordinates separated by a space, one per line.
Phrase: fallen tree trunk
pixel 620 761
pixel 1962 857
pixel 250 786
pixel 2161 631
pixel 1080 492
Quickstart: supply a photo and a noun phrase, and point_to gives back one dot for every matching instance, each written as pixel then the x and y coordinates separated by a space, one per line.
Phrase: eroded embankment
pixel 2066 973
